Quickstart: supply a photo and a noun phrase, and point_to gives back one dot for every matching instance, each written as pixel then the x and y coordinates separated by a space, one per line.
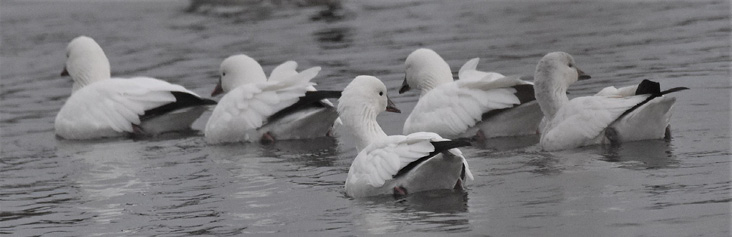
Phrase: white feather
pixel 469 71
pixel 611 91
pixel 283 71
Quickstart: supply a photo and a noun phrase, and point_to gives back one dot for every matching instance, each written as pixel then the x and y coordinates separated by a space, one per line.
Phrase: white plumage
pixel 372 171
pixel 310 116
pixel 585 120
pixel 457 108
pixel 101 106
pixel 243 112
pixel 469 70
pixel 375 170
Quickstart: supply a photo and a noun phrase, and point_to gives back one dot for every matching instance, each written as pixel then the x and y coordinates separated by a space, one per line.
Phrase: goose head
pixel 366 93
pixel 361 101
pixel 86 62
pixel 238 70
pixel 555 72
pixel 559 70
pixel 425 69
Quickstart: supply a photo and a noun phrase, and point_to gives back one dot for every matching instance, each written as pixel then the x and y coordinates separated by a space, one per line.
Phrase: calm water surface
pixel 177 185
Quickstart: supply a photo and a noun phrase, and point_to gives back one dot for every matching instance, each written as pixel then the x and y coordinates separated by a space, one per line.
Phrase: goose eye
pixel 571 65
pixel 223 74
pixel 381 93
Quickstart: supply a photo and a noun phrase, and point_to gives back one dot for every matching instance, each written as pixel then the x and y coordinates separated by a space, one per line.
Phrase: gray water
pixel 178 185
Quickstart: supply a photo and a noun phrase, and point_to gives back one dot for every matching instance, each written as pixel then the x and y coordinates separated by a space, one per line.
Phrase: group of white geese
pixel 449 114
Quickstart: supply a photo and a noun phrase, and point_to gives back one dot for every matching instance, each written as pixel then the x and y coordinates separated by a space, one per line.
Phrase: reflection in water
pixel 334 37
pixel 105 173
pixel 333 12
pixel 439 211
pixel 438 201
pixel 241 10
pixel 110 168
pixel 256 10
pixel 305 146
pixel 509 143
pixel 201 5
pixel 230 151
pixel 649 154
pixel 37 193
pixel 318 152
pixel 275 185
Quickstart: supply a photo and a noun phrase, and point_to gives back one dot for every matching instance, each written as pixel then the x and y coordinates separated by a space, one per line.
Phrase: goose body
pixel 398 164
pixel 613 115
pixel 486 102
pixel 383 167
pixel 284 107
pixel 101 106
pixel 310 120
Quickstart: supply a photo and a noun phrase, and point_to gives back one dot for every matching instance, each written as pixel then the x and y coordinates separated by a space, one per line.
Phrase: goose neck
pixel 551 96
pixel 364 127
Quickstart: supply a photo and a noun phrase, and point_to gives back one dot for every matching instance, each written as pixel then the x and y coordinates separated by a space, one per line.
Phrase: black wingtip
pixel 525 93
pixel 208 102
pixel 441 146
pixel 672 90
pixel 310 99
pixel 654 88
pixel 648 87
pixel 319 95
pixel 182 100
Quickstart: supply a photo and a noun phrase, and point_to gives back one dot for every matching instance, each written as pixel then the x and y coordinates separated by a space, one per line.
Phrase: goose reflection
pixel 508 143
pixel 438 211
pixel 649 154
pixel 334 37
pixel 319 152
pixel 105 173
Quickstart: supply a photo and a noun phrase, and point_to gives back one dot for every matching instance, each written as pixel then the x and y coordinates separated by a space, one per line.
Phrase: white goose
pixel 101 106
pixel 612 116
pixel 255 109
pixel 486 104
pixel 395 164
